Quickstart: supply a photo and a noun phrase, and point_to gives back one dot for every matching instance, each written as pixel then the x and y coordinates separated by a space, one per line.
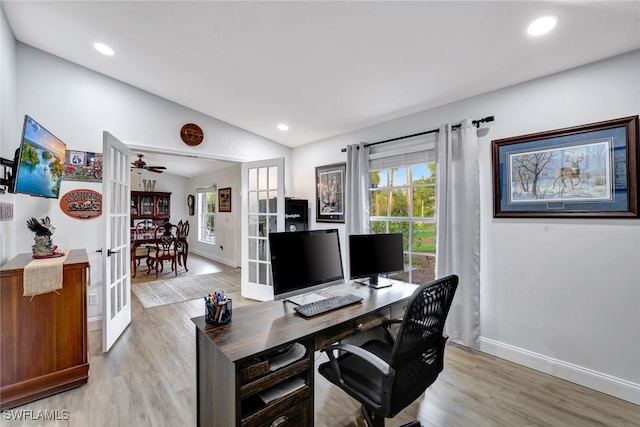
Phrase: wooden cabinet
pixel 43 340
pixel 155 206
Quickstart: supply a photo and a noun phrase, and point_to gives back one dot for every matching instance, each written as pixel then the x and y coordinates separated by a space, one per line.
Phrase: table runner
pixel 43 275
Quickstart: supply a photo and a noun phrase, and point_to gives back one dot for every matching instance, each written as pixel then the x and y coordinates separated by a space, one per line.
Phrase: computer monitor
pixel 371 255
pixel 304 261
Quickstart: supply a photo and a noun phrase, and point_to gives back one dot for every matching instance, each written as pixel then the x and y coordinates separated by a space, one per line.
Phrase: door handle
pixel 110 252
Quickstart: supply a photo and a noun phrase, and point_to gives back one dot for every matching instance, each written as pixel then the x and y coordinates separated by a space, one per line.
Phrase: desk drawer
pixel 347 329
pixel 298 416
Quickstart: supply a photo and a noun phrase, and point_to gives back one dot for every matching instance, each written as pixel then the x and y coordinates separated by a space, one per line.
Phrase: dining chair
pixel 163 249
pixel 141 237
pixel 182 244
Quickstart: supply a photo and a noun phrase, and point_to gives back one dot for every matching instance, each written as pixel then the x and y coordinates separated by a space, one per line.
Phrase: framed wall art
pixel 224 199
pixel 582 171
pixel 330 196
pixel 82 166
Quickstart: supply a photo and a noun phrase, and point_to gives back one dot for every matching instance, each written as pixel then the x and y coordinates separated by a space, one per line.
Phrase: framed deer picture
pixel 582 171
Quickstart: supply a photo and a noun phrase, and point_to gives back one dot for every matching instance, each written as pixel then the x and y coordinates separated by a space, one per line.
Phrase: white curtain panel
pixel 357 213
pixel 458 227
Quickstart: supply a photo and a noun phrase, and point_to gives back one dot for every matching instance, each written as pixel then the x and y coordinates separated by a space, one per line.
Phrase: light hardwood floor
pixel 149 379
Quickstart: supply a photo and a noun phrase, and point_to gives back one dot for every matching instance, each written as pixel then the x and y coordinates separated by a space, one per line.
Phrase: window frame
pixel 204 214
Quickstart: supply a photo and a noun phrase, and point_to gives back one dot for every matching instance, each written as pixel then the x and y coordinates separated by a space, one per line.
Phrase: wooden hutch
pixel 150 205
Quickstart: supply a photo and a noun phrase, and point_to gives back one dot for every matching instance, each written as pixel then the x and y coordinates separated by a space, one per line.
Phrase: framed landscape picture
pixel 582 171
pixel 330 199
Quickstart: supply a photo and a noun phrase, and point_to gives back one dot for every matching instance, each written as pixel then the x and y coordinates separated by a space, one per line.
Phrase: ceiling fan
pixel 140 164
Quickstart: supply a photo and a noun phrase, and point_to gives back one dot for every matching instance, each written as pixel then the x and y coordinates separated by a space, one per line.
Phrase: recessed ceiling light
pixel 104 49
pixel 283 127
pixel 542 25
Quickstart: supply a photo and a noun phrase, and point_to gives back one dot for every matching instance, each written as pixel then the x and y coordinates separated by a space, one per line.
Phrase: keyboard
pixel 328 304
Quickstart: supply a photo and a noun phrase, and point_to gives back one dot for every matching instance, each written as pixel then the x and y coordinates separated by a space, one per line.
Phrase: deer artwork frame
pixel 582 171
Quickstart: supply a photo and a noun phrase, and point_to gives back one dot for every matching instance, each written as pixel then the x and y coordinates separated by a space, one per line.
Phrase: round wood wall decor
pixel 82 204
pixel 191 134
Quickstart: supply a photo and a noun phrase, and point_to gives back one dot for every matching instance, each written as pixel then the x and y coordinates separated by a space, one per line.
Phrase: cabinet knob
pixel 280 421
pixel 360 327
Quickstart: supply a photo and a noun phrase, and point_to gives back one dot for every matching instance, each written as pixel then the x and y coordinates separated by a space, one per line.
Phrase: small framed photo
pixel 330 196
pixel 587 171
pixel 224 200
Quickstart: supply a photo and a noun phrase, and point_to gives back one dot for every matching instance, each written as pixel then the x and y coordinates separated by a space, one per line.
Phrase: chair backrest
pixel 418 351
pixel 183 229
pixel 165 239
pixel 144 231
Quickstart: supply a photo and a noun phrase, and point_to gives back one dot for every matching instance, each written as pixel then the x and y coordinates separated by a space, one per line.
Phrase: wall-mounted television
pixel 371 255
pixel 39 161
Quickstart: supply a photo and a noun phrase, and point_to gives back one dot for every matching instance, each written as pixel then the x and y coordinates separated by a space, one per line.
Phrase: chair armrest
pixel 365 355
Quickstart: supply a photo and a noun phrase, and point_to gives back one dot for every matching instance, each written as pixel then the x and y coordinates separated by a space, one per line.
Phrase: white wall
pixel 8 125
pixel 77 105
pixel 558 295
pixel 228 233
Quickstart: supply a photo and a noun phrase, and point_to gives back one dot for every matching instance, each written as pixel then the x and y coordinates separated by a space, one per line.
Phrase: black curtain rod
pixel 476 123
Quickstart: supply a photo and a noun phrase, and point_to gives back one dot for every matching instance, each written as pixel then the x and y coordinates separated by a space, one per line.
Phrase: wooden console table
pixel 231 358
pixel 43 340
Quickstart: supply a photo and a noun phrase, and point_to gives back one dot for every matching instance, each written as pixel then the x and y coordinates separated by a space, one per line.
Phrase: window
pixel 207 215
pixel 402 199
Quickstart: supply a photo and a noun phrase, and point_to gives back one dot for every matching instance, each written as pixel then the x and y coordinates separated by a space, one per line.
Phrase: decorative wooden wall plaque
pixel 82 204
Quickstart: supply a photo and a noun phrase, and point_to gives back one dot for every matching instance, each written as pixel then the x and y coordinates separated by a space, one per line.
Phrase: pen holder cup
pixel 218 313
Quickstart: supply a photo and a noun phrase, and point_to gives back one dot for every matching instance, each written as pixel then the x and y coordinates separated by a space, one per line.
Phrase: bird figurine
pixel 43 247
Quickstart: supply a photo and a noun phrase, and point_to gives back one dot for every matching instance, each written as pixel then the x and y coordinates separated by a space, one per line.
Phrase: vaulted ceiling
pixel 323 68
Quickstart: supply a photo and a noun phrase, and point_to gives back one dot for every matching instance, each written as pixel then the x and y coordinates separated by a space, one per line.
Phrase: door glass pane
pixel 262 249
pixel 112 314
pixel 253 225
pixel 253 252
pixel 262 178
pixel 262 226
pixel 262 201
pixel 262 274
pixel 273 201
pixel 253 179
pixel 273 178
pixel 253 272
pixel 252 198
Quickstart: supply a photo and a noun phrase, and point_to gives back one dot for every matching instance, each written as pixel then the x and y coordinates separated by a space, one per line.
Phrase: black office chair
pixel 386 377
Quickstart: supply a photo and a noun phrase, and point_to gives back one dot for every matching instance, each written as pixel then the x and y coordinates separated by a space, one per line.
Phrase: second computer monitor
pixel 371 255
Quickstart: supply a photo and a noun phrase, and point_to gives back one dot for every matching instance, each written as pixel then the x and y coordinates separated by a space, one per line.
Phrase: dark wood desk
pixel 228 356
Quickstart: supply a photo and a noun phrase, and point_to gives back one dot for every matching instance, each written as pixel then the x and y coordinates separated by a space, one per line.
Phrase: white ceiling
pixel 324 68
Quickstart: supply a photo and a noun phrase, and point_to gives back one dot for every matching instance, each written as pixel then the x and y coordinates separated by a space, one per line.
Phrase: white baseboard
pixel 617 387
pixel 94 323
pixel 225 261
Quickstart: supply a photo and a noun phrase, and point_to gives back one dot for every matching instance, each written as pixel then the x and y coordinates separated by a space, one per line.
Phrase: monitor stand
pixel 375 282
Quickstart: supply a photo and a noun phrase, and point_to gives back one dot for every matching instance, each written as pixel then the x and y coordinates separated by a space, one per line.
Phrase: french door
pixel 116 265
pixel 263 212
